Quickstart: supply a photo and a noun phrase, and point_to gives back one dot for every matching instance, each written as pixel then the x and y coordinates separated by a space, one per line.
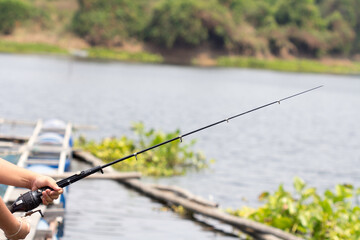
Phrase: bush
pixel 311 28
pixel 11 12
pixel 190 23
pixel 342 35
pixel 335 215
pixel 110 22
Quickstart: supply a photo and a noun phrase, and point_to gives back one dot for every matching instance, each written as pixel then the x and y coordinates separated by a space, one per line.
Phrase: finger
pixel 59 192
pixel 54 195
pixel 46 197
pixel 53 185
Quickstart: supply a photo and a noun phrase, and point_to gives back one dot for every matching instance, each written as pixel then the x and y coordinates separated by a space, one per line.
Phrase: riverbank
pixel 221 37
pixel 203 57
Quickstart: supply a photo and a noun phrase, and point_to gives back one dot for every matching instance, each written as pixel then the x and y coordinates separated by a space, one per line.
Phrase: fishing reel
pixel 27 202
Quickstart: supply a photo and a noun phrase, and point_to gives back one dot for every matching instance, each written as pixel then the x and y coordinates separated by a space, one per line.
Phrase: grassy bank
pixel 296 65
pixel 43 48
pixel 95 53
pixel 199 33
pixel 103 53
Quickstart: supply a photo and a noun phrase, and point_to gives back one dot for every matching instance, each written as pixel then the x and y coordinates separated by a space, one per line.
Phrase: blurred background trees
pixel 282 28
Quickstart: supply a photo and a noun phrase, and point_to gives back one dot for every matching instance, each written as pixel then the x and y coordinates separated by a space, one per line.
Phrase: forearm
pixel 8 223
pixel 13 175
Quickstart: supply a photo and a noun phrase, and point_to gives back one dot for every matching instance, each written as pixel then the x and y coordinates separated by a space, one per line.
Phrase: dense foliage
pixel 278 27
pixel 11 13
pixel 109 22
pixel 170 159
pixel 188 22
pixel 310 28
pixel 335 215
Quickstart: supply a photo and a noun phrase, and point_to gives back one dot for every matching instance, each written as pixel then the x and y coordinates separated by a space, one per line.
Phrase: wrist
pixel 32 180
pixel 14 229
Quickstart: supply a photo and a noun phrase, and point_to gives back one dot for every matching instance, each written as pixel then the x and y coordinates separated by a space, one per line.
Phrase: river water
pixel 314 136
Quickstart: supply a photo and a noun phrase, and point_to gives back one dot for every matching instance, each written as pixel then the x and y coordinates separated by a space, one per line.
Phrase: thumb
pixel 53 185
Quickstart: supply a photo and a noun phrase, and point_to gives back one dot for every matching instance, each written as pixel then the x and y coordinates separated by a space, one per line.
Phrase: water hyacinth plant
pixel 335 215
pixel 174 158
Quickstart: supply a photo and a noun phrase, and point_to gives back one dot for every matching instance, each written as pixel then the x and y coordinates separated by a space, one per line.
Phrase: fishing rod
pixel 32 199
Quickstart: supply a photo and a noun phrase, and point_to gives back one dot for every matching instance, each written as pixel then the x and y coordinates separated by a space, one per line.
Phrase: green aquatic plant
pixel 174 158
pixel 334 215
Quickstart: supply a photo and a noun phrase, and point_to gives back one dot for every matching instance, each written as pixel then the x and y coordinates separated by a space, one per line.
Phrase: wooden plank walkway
pixel 177 196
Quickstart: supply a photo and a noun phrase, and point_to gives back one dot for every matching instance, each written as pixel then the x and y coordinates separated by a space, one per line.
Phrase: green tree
pixel 11 12
pixel 188 22
pixel 346 27
pixel 345 7
pixel 310 28
pixel 255 12
pixel 342 35
pixel 303 14
pixel 301 29
pixel 110 22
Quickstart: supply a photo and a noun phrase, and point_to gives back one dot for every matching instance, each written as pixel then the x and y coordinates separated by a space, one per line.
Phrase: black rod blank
pixel 208 126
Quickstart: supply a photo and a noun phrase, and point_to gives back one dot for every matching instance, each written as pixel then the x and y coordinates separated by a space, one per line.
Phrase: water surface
pixel 313 136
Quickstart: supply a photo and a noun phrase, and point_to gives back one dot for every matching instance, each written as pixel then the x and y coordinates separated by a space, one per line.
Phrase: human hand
pixel 48 196
pixel 23 230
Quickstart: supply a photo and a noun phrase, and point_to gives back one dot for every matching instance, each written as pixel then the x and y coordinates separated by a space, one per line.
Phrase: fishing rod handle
pixel 78 176
pixel 32 199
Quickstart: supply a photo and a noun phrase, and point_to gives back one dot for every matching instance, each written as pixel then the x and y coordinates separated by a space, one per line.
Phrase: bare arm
pixel 13 175
pixel 12 227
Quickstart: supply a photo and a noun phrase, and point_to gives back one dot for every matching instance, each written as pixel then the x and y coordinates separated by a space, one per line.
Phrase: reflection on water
pixel 107 210
pixel 313 136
